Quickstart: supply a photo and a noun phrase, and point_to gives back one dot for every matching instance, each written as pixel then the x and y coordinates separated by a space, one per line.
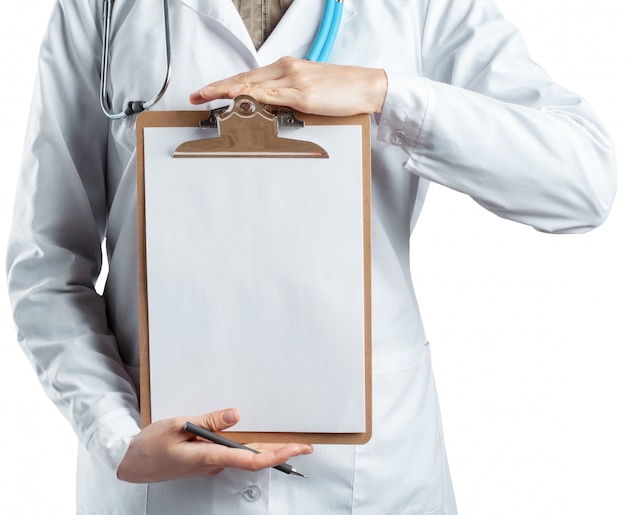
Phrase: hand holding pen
pixel 163 451
pixel 215 438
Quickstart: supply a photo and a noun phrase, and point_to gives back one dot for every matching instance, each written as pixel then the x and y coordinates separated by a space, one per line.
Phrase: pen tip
pixel 296 473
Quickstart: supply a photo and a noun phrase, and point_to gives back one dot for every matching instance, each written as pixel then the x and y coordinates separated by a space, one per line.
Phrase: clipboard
pixel 254 271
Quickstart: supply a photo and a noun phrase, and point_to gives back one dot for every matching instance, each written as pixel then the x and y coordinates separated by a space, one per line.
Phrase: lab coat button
pixel 251 493
pixel 398 138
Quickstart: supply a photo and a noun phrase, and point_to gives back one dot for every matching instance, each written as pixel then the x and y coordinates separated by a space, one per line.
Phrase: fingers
pixel 215 421
pixel 259 82
pixel 316 88
pixel 267 93
pixel 271 92
pixel 246 460
pixel 223 419
pixel 164 451
pixel 287 82
pixel 213 457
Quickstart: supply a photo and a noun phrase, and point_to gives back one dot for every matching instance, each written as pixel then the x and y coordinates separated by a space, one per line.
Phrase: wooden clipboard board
pixel 249 143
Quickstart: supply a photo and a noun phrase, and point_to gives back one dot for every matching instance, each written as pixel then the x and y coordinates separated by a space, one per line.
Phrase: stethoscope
pixel 320 51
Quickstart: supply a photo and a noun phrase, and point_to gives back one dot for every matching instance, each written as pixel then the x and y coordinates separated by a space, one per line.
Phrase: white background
pixel 527 329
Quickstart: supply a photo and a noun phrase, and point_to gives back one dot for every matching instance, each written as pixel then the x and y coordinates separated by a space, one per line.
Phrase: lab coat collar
pixel 225 13
pixel 292 36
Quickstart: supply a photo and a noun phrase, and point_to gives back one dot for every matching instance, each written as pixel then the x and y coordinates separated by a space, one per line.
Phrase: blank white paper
pixel 256 283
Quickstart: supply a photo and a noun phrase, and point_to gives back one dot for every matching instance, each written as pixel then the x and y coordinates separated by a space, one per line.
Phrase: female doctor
pixel 455 99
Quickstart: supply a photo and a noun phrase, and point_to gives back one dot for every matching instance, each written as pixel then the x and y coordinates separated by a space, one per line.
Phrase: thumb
pixel 219 420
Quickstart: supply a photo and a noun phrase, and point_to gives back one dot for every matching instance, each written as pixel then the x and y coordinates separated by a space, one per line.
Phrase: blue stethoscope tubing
pixel 327 32
pixel 320 51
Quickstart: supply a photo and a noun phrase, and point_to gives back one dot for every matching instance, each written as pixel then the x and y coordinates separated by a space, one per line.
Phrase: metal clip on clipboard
pixel 246 129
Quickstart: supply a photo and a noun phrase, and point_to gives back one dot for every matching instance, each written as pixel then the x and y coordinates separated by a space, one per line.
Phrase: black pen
pixel 215 438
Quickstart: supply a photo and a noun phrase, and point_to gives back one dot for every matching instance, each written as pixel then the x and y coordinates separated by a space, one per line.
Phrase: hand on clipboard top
pixel 163 451
pixel 309 87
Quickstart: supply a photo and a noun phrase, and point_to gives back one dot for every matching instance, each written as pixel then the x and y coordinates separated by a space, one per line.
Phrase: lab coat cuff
pixel 404 111
pixel 109 441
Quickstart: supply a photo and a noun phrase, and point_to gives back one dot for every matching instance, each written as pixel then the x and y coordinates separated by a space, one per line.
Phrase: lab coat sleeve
pixel 54 252
pixel 485 120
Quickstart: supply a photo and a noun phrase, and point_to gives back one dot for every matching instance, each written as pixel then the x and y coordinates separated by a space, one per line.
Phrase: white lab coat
pixel 466 108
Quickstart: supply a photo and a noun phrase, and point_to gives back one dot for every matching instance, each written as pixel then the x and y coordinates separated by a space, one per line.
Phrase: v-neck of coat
pixel 292 36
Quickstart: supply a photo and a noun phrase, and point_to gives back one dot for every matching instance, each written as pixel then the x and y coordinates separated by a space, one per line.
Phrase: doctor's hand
pixel 309 87
pixel 163 451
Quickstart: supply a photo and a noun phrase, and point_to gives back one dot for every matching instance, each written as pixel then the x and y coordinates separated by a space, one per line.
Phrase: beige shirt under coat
pixel 261 16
